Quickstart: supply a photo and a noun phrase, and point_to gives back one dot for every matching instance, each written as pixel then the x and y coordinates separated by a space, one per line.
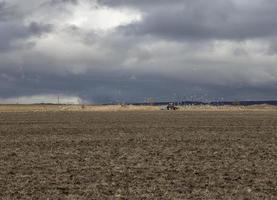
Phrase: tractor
pixel 171 106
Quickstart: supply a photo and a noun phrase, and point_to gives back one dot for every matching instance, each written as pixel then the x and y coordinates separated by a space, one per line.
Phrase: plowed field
pixel 138 155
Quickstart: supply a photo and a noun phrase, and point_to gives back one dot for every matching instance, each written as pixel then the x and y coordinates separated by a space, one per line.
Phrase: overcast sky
pixel 130 50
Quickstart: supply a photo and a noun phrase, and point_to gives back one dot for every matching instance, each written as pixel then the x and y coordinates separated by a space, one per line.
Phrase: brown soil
pixel 138 155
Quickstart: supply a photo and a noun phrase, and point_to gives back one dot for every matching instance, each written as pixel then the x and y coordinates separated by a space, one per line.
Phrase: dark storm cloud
pixel 3 11
pixel 190 50
pixel 201 19
pixel 115 88
pixel 14 31
pixel 7 11
pixel 35 28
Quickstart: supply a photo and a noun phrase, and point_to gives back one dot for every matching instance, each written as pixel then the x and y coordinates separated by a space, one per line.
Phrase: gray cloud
pixel 13 28
pixel 202 19
pixel 12 32
pixel 63 1
pixel 7 12
pixel 141 4
pixel 192 50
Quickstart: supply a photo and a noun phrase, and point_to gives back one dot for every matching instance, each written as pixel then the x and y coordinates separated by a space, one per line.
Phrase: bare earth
pixel 138 154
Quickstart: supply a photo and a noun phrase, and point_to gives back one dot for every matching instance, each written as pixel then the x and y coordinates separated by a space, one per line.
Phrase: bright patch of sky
pixel 93 17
